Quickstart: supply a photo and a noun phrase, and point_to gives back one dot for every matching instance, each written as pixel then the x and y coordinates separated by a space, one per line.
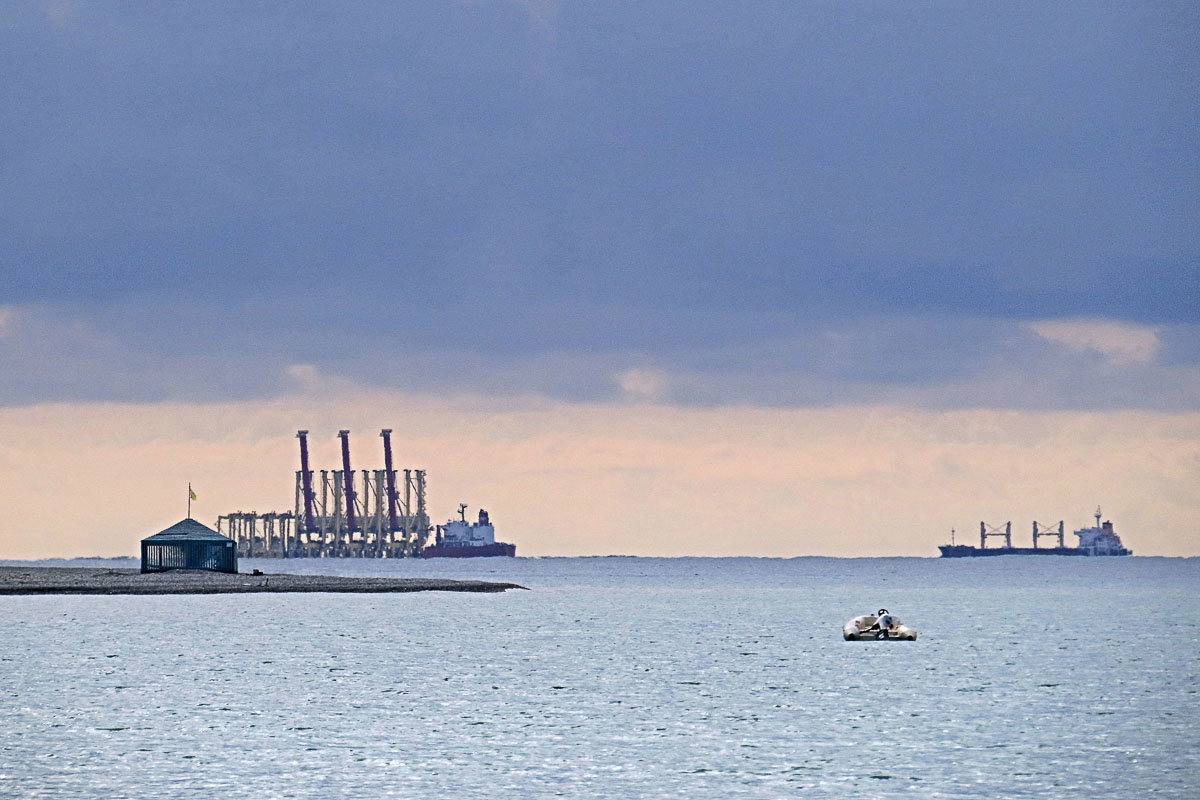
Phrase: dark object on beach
pixel 188 545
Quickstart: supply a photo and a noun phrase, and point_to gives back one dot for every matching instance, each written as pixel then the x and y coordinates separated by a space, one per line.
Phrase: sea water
pixel 1037 677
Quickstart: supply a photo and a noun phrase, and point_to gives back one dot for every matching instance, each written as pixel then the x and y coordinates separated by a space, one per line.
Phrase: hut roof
pixel 188 530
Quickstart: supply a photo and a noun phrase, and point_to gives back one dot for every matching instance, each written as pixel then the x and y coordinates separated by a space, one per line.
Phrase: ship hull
pixel 968 551
pixel 481 551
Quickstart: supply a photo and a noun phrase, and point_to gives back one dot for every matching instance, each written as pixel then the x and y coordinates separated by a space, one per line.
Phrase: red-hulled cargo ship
pixel 461 539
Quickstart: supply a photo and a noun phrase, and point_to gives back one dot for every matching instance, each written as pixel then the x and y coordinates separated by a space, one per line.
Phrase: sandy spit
pixel 89 580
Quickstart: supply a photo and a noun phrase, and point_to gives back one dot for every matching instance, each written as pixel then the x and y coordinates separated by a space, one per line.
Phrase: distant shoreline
pixel 62 561
pixel 99 580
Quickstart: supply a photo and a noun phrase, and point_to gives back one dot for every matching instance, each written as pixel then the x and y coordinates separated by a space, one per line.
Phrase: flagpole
pixel 189 500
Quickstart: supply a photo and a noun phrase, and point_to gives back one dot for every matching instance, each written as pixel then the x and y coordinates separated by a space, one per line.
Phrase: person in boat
pixel 883 623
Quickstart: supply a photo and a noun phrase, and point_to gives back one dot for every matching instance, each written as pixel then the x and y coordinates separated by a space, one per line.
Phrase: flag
pixel 191 494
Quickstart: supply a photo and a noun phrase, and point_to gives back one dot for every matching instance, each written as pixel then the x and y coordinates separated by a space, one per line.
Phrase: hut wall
pixel 215 556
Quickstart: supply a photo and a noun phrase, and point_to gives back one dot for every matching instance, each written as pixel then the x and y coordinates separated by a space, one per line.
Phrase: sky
pixel 762 278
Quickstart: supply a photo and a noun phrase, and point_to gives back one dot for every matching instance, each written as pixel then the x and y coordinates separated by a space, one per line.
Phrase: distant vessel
pixel 1100 540
pixel 461 539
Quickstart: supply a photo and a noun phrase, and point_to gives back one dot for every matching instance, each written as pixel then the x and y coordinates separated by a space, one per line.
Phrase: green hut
pixel 188 545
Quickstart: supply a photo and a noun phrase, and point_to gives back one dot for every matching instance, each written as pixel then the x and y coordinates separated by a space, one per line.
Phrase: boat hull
pixel 481 551
pixel 860 629
pixel 969 551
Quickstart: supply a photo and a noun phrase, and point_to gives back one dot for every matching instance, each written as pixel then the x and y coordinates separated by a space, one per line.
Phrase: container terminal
pixel 344 513
pixel 1099 540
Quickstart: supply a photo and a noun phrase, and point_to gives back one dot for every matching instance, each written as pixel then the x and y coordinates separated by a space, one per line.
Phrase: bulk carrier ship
pixel 1100 540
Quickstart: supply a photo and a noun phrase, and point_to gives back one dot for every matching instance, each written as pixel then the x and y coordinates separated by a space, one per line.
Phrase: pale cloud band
pixel 1119 342
pixel 8 321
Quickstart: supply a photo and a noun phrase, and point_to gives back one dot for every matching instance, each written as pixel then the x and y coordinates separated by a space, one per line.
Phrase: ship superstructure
pixel 461 539
pixel 1101 540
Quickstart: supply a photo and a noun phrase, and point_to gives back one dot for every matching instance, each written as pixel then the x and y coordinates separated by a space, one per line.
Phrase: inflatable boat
pixel 877 627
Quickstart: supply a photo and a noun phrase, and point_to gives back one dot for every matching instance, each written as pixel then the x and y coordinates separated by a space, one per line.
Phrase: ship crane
pixel 986 531
pixel 1048 530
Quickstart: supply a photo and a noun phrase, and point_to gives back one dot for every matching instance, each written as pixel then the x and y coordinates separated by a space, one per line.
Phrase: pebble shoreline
pixel 92 580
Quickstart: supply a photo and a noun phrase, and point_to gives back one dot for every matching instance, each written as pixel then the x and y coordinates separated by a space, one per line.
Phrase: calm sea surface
pixel 618 678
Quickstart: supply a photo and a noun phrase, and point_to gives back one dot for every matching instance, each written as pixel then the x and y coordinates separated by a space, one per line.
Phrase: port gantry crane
pixel 338 515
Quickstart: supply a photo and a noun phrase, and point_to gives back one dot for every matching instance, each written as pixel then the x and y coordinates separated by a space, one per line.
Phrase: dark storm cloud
pixel 241 186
